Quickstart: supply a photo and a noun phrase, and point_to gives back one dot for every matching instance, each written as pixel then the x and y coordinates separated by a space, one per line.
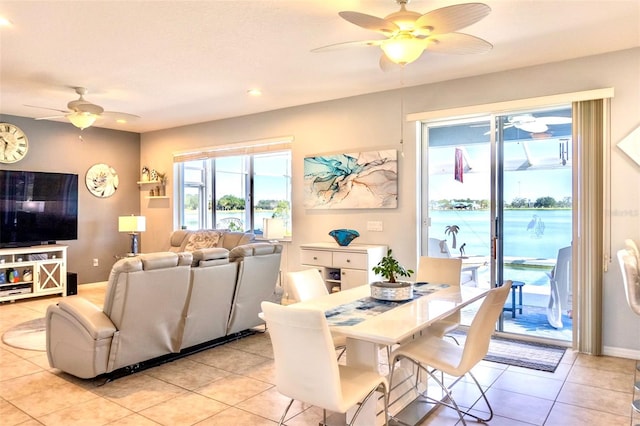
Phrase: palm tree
pixel 452 230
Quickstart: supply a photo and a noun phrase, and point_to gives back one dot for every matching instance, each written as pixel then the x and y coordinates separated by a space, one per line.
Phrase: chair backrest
pixel 562 276
pixel 438 248
pixel 439 270
pixel 258 274
pixel 629 265
pixel 304 355
pixel 145 300
pixel 306 285
pixel 483 325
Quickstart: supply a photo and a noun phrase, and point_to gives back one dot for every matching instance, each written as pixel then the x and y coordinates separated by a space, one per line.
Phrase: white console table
pixel 343 267
pixel 48 267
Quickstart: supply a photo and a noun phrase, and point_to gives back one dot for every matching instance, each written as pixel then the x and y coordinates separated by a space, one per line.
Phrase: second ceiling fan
pixel 408 34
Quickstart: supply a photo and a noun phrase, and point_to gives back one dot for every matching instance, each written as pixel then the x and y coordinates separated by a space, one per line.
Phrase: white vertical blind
pixel 591 142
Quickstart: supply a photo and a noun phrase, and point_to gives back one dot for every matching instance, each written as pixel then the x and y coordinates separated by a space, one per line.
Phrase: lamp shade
pixel 273 229
pixel 82 120
pixel 403 48
pixel 132 224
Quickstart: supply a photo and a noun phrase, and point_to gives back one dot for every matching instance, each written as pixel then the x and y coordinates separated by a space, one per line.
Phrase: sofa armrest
pixel 97 324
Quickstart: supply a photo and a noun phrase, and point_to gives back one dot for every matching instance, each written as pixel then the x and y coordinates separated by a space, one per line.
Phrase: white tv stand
pixel 48 266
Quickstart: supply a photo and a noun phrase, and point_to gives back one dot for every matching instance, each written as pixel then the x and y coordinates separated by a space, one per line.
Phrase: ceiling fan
pixel 82 113
pixel 408 34
pixel 531 124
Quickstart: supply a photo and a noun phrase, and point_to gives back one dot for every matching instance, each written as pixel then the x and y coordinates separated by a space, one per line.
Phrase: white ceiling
pixel 175 63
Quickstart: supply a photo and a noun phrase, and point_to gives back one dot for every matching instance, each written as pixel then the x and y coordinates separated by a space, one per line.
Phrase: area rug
pixel 536 356
pixel 30 335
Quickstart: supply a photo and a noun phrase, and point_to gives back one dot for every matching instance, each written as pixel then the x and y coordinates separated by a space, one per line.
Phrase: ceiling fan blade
pixel 50 109
pixel 85 106
pixel 119 116
pixel 370 22
pixel 554 120
pixel 451 18
pixel 458 43
pixel 337 46
pixel 50 117
pixel 532 127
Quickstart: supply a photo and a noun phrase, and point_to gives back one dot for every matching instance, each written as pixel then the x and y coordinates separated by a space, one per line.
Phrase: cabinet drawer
pixel 349 260
pixel 315 257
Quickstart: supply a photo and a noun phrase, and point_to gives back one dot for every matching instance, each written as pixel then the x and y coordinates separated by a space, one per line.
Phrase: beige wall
pixel 373 122
pixel 55 147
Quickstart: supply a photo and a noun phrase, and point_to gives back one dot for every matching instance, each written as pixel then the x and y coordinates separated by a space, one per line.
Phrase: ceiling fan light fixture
pixel 403 48
pixel 82 120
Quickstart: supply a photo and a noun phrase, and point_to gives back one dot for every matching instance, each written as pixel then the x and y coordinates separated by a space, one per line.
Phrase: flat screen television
pixel 37 207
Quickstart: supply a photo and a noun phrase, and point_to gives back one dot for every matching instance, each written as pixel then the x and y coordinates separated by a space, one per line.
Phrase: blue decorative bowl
pixel 344 236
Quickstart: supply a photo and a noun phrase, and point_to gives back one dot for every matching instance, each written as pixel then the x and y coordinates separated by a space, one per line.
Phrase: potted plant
pixel 391 289
pixel 389 268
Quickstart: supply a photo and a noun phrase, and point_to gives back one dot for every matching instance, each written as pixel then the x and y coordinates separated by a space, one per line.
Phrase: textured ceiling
pixel 175 63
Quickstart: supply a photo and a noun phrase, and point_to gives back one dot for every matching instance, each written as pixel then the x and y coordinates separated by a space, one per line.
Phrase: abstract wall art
pixel 359 180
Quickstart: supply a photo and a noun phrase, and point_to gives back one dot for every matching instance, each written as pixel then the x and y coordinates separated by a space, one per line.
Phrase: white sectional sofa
pixel 165 303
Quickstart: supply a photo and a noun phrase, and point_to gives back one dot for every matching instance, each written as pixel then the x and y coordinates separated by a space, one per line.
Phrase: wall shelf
pixel 157 197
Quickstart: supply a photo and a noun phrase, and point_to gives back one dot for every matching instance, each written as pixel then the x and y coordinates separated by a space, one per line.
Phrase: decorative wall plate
pixel 102 180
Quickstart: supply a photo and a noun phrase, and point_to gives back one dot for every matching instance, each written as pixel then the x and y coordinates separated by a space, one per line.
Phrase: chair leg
pixel 342 349
pixel 281 422
pixel 486 401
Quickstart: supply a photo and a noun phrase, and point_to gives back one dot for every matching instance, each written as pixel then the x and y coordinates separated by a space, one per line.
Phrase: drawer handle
pixel 348 260
pixel 315 258
pixel 344 273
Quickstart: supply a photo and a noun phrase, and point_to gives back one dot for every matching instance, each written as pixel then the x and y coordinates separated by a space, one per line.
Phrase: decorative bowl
pixel 344 236
pixel 392 291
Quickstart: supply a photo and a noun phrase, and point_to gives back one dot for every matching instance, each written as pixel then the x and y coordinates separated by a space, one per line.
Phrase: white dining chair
pixel 306 285
pixel 307 369
pixel 432 353
pixel 440 270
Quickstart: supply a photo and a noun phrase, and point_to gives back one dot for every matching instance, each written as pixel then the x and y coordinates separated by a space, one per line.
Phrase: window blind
pixel 230 150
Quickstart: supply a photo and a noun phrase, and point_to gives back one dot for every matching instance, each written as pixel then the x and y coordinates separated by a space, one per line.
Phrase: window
pixel 235 192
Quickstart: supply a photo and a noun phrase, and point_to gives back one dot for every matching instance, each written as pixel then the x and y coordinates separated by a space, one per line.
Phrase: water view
pixel 528 233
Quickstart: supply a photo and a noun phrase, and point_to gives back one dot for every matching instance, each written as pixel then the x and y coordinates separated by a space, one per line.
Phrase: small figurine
pixel 462 249
pixel 145 174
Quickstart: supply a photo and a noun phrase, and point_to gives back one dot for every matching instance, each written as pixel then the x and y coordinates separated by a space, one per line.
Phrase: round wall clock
pixel 13 143
pixel 102 180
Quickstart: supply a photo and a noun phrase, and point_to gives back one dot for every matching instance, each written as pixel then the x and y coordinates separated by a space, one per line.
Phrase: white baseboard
pixel 621 352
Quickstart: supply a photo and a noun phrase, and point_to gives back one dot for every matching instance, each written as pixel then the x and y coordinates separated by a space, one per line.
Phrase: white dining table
pixel 396 325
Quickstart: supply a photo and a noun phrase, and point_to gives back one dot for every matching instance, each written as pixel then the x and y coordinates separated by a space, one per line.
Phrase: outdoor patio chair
pixel 560 283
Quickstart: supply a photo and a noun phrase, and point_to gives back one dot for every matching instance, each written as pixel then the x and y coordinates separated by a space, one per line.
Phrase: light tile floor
pixel 233 385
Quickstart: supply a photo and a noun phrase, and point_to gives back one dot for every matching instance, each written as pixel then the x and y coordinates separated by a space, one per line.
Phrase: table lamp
pixel 132 225
pixel 273 229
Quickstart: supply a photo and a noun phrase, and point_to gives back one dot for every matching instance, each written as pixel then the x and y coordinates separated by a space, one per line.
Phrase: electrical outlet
pixel 96 262
pixel 374 226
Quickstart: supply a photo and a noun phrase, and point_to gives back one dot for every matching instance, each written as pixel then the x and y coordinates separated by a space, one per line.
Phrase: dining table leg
pixel 365 354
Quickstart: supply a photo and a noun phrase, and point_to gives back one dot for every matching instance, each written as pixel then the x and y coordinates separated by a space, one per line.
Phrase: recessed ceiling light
pixel 254 92
pixel 4 22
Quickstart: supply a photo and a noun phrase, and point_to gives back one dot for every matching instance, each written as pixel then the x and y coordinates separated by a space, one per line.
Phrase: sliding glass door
pixel 497 192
